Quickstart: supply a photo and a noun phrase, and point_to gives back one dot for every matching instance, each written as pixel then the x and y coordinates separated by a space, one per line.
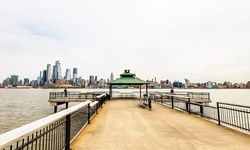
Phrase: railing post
pixel 55 109
pixel 88 113
pixel 101 102
pixel 172 101
pixel 201 110
pixel 67 138
pixel 149 103
pixel 96 108
pixel 218 111
pixel 189 106
pixel 161 99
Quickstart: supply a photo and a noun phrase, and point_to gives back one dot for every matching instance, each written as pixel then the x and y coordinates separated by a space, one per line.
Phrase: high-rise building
pixel 101 83
pixel 67 75
pixel 95 79
pixel 91 79
pixel 56 71
pixel 14 79
pixel 26 81
pixel 111 76
pixel 44 77
pixel 75 74
pixel 48 75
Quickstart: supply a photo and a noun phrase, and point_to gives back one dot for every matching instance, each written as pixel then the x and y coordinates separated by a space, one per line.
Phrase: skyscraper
pixel 26 81
pixel 111 76
pixel 44 77
pixel 56 71
pixel 14 79
pixel 67 75
pixel 91 79
pixel 48 75
pixel 75 74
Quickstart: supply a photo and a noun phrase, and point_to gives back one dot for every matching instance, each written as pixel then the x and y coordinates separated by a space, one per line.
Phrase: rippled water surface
pixel 21 106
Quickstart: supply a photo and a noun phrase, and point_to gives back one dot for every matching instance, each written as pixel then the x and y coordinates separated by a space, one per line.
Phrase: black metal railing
pixel 236 116
pixel 54 132
pixel 72 95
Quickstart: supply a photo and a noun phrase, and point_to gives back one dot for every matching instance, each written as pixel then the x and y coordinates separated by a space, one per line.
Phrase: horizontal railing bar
pixel 234 105
pixel 99 96
pixel 93 103
pixel 237 110
pixel 14 135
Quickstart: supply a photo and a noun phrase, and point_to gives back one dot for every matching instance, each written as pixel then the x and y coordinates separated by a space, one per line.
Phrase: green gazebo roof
pixel 128 78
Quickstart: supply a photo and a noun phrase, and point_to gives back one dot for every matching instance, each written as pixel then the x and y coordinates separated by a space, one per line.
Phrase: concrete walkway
pixel 122 124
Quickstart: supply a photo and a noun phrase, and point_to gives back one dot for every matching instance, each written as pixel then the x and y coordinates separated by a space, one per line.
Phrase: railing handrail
pixel 17 133
pixel 177 96
pixel 234 104
pixel 99 96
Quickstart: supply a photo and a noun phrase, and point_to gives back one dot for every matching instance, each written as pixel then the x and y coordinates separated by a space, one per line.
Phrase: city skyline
pixel 198 40
pixel 74 76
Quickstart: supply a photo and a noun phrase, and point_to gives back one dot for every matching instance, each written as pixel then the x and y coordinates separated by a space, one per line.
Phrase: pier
pixel 101 123
pixel 121 124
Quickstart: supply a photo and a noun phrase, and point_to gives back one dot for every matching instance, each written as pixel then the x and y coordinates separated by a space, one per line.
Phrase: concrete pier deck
pixel 122 124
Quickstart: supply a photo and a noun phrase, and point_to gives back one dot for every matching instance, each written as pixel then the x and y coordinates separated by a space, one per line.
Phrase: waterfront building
pixel 56 71
pixel 101 83
pixel 86 82
pixel 34 83
pixel 75 74
pixel 60 82
pixel 248 84
pixel 210 85
pixel 6 82
pixel 177 84
pixel 13 80
pixel 67 75
pixel 26 81
pixel 165 84
pixel 187 83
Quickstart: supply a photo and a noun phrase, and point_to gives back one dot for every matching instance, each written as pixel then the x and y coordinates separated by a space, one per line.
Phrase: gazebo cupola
pixel 127 78
pixel 127 74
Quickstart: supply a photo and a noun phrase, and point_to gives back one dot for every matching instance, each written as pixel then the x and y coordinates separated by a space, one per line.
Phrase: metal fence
pixel 73 95
pixel 236 116
pixel 54 132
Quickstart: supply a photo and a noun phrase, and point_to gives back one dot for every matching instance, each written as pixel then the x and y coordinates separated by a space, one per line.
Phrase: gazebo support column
pixel 147 89
pixel 110 91
pixel 140 91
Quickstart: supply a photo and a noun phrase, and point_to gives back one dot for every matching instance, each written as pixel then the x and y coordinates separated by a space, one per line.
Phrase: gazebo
pixel 127 78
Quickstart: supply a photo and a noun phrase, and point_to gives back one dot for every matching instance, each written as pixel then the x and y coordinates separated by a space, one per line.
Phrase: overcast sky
pixel 169 39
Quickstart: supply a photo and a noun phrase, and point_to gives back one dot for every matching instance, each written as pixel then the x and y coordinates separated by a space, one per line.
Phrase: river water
pixel 21 106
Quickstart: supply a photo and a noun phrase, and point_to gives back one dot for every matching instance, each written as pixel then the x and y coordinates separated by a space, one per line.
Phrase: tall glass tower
pixel 14 79
pixel 91 79
pixel 75 74
pixel 56 71
pixel 67 75
pixel 48 75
